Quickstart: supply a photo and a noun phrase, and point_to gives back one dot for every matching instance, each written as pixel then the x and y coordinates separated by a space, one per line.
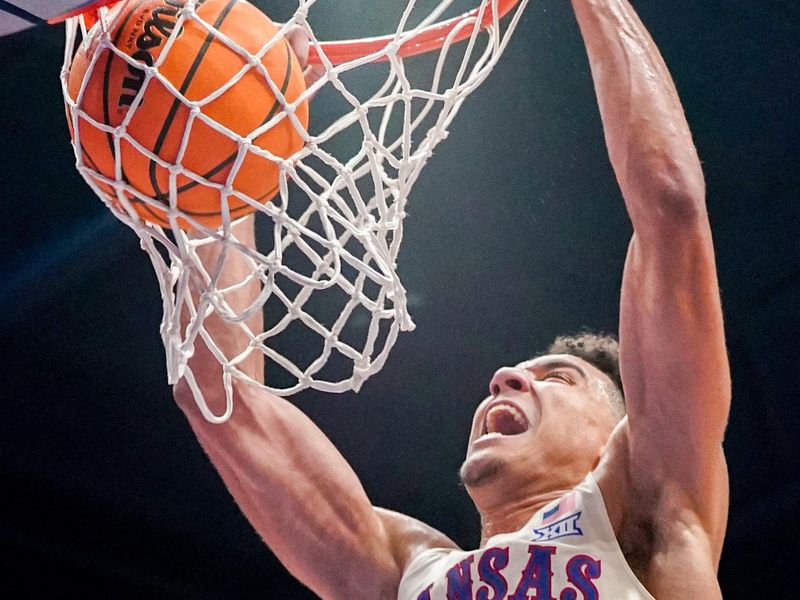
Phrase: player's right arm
pixel 295 488
pixel 673 359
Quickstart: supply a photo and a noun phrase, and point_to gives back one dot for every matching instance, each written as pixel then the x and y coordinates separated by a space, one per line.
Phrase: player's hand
pixel 298 40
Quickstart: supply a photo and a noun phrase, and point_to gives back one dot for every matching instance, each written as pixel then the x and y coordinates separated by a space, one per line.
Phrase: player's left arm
pixel 672 349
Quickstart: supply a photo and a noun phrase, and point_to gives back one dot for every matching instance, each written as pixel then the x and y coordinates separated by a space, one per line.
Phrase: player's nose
pixel 508 378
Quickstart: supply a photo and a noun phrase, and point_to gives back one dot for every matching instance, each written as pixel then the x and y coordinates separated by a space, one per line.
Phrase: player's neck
pixel 508 502
pixel 511 516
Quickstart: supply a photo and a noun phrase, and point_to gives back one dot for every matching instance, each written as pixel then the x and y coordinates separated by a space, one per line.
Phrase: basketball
pixel 198 130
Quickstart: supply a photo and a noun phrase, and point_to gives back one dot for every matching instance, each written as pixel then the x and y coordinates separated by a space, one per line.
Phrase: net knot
pixel 189 6
pixel 362 369
pixel 392 48
pixel 368 224
pixel 301 14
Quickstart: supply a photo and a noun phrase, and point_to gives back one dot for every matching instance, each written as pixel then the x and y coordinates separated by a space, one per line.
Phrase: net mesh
pixel 331 300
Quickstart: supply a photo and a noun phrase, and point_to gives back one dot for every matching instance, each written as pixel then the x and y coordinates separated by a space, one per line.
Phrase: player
pixel 576 500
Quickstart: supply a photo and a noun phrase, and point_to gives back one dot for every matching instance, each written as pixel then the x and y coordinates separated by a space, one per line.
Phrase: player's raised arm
pixel 672 349
pixel 291 482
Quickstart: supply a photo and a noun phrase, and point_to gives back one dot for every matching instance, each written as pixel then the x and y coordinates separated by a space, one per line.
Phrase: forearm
pixel 648 138
pixel 299 494
pixel 237 288
pixel 295 488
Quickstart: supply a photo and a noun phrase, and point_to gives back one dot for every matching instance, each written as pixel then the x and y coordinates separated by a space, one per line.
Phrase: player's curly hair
pixel 600 350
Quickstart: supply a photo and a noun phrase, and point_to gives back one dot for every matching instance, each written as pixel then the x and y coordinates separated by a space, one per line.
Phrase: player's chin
pixel 488 454
pixel 479 470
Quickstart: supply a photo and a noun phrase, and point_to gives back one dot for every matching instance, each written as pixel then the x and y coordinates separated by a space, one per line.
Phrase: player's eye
pixel 558 375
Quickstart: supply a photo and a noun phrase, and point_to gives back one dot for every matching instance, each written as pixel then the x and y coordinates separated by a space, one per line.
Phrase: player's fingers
pixel 298 40
pixel 312 73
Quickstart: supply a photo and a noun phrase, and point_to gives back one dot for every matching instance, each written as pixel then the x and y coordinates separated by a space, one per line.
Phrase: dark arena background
pixel 516 233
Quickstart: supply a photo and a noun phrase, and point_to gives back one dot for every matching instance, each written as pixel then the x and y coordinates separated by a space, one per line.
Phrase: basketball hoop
pixel 329 273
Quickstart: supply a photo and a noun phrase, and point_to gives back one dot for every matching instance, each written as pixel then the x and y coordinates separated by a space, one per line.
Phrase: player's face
pixel 550 413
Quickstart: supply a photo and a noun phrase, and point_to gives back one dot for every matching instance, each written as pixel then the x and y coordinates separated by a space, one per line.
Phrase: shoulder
pixel 410 537
pixel 647 509
pixel 657 524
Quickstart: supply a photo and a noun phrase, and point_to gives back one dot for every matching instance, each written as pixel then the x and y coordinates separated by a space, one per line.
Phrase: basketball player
pixel 577 500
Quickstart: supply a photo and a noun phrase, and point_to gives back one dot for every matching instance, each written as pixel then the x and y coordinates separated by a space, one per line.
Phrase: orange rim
pixel 429 39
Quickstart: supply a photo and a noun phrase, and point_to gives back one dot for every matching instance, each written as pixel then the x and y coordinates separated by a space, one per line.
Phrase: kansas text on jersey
pixel 567 551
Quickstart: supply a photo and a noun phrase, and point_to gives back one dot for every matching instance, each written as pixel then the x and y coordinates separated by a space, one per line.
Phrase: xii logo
pixel 561 528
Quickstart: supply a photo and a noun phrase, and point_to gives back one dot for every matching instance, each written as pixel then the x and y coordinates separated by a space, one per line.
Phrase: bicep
pixel 673 359
pixel 409 537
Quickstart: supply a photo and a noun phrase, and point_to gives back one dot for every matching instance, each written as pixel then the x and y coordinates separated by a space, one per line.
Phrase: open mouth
pixel 504 419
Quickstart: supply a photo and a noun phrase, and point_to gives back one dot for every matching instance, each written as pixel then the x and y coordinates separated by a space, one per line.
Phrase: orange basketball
pixel 198 64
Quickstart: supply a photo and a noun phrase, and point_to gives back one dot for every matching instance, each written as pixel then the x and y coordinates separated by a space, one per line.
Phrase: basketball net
pixel 332 301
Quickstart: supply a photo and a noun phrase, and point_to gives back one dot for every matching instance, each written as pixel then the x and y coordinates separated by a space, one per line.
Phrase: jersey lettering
pixel 581 570
pixel 426 594
pixel 459 580
pixel 535 581
pixel 537 575
pixel 490 568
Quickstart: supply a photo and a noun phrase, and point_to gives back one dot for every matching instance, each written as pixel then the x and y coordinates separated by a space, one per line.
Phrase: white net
pixel 330 297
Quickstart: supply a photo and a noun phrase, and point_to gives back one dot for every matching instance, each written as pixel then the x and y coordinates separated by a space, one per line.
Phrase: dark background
pixel 516 232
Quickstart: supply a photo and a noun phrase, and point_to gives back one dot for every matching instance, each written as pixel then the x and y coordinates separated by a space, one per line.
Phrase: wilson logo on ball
pixel 155 32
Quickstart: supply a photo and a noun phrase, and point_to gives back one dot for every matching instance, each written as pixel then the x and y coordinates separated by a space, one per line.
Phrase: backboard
pixel 17 15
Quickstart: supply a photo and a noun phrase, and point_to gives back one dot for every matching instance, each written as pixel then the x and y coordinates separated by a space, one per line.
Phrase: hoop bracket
pixel 85 7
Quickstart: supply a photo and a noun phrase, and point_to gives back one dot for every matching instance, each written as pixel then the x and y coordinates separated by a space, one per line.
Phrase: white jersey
pixel 567 551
